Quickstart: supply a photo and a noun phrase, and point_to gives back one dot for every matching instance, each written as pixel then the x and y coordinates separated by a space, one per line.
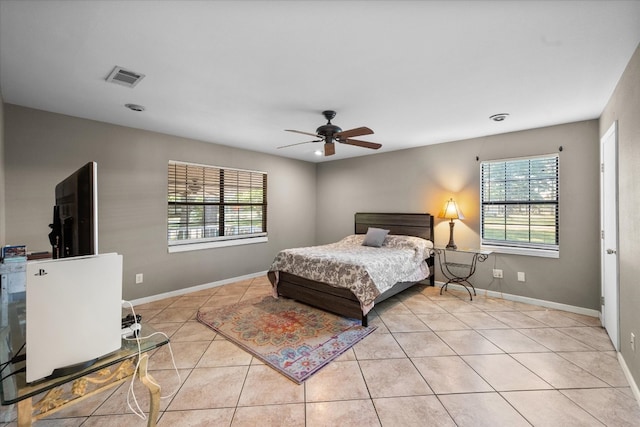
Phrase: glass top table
pixel 116 366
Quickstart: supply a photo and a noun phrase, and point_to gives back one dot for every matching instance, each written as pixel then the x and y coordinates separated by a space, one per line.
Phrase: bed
pixel 343 301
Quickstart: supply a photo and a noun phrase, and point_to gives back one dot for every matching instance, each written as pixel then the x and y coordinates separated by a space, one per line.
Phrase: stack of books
pixel 14 253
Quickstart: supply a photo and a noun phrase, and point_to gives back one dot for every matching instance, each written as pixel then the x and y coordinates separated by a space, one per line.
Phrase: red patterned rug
pixel 293 338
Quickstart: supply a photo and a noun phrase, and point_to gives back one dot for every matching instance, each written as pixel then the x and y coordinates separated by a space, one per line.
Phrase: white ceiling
pixel 238 73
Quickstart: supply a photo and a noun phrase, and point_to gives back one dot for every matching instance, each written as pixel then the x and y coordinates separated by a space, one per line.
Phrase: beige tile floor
pixel 434 360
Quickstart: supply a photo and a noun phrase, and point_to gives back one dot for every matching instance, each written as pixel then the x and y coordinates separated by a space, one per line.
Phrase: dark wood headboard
pixel 407 224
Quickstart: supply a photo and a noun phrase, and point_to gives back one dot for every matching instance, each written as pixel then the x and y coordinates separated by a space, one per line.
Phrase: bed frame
pixel 342 301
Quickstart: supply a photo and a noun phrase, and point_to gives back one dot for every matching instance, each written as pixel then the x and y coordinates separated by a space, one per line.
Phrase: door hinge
pixel 601 167
pixel 601 300
pixel 602 234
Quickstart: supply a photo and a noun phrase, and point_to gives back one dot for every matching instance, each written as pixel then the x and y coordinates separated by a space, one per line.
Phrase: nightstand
pixel 460 272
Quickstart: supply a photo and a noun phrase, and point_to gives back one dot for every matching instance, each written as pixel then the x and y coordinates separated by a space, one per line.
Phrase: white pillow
pixel 375 237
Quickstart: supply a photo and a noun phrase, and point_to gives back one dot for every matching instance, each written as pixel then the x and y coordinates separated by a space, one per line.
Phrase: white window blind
pixel 209 203
pixel 519 203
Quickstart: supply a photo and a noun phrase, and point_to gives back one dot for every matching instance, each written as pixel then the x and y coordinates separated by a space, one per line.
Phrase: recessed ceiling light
pixel 318 152
pixel 499 117
pixel 134 107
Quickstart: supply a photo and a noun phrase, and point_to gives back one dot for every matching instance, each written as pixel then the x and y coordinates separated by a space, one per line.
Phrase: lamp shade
pixel 450 210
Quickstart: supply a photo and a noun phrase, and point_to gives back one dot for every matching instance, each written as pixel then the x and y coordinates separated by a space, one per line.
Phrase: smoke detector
pixel 499 117
pixel 134 107
pixel 124 77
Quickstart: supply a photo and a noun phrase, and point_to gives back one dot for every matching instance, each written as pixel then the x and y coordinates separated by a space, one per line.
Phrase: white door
pixel 609 227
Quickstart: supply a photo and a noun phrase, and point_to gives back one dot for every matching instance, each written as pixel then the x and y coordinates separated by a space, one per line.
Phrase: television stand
pixel 107 372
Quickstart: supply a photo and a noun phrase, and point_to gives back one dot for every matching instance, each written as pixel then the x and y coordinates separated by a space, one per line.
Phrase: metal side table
pixel 460 272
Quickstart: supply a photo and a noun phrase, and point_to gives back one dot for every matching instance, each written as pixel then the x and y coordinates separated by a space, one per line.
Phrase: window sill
pixel 545 253
pixel 217 244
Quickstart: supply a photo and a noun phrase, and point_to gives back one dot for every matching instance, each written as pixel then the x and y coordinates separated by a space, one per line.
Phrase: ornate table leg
pixel 25 412
pixel 82 388
pixel 154 391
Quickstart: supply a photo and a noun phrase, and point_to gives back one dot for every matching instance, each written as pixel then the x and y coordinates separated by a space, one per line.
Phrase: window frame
pixel 511 246
pixel 215 177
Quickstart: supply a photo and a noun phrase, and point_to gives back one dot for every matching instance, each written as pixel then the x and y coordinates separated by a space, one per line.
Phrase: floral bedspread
pixel 366 271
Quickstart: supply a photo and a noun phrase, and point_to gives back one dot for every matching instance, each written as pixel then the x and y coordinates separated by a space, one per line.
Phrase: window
pixel 519 212
pixel 213 204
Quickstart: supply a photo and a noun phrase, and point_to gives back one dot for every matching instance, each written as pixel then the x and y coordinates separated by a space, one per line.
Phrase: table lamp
pixel 451 211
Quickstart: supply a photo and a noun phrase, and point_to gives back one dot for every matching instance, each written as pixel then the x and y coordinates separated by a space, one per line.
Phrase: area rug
pixel 293 338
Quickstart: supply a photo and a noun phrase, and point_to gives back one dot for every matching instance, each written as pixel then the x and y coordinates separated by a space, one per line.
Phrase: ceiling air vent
pixel 124 77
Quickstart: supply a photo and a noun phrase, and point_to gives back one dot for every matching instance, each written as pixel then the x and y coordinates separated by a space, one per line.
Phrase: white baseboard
pixel 196 288
pixel 527 300
pixel 485 292
pixel 632 382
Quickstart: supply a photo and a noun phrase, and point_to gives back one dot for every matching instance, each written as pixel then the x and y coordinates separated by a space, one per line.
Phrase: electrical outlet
pixel 139 278
pixel 497 273
pixel 633 342
pixel 520 276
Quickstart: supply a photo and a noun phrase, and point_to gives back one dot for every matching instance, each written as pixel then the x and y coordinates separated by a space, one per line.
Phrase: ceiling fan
pixel 331 133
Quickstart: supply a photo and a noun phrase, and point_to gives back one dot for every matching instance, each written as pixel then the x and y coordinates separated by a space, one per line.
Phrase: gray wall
pixel 624 106
pixel 2 191
pixel 43 148
pixel 422 179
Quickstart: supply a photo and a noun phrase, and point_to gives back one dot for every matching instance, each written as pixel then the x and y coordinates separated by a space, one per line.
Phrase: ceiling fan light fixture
pixel 332 134
pixel 318 152
pixel 499 117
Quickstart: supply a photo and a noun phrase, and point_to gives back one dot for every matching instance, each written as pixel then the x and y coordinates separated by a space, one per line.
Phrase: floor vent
pixel 124 77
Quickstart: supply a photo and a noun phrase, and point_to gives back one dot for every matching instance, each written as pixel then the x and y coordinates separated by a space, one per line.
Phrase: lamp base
pixel 451 244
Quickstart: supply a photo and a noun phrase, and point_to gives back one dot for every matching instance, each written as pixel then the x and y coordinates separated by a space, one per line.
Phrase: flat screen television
pixel 74 231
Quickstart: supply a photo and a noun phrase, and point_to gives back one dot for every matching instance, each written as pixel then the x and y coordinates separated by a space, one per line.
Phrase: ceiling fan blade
pixel 304 133
pixel 329 149
pixel 299 143
pixel 365 144
pixel 353 132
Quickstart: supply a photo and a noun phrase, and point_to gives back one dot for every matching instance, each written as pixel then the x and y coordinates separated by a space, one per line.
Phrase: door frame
pixel 613 330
